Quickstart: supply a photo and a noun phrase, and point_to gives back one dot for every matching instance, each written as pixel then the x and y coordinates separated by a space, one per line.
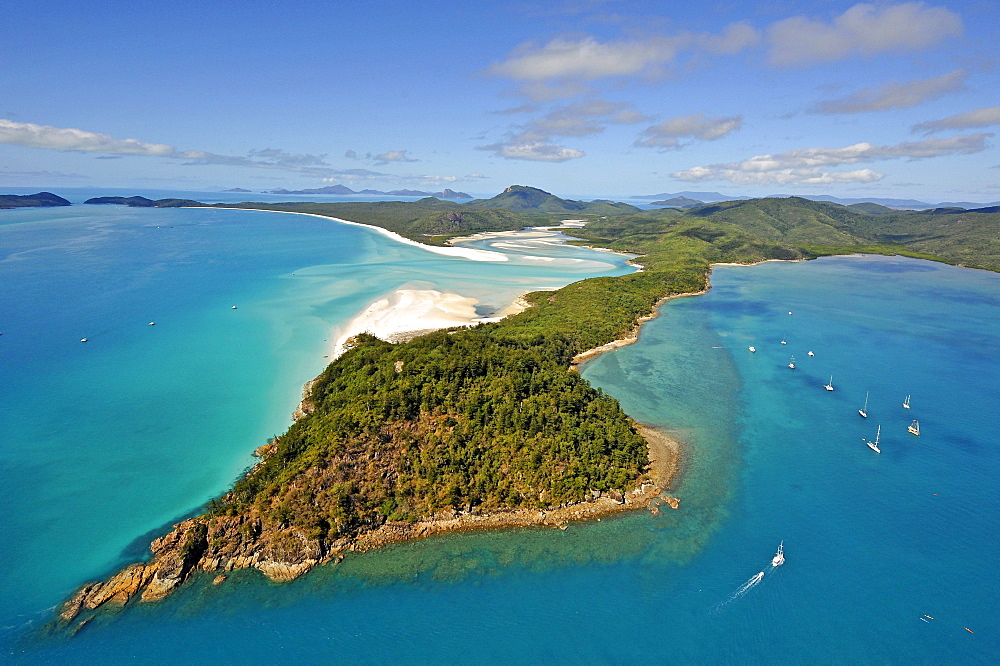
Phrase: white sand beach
pixel 464 252
pixel 408 312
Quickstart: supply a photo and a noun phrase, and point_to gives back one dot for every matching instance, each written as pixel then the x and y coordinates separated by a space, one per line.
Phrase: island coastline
pixel 172 563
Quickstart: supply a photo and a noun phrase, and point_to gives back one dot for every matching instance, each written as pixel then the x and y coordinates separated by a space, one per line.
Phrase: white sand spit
pixel 407 312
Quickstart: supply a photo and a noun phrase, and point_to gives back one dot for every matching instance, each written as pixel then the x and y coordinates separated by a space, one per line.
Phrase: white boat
pixel 810 353
pixel 914 428
pixel 752 348
pixel 874 445
pixel 779 557
pixel 783 341
pixel 233 308
pixel 864 410
pixel 829 387
pixel 906 402
pixel 791 364
pixel 83 339
pixel 152 323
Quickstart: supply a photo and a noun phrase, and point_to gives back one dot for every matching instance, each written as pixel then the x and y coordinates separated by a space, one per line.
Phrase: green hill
pixel 41 199
pixel 520 198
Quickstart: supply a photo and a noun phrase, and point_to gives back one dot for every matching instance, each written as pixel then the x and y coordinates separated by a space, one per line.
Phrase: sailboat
pixel 752 348
pixel 864 410
pixel 829 387
pixel 914 428
pixel 906 402
pixel 791 364
pixel 779 558
pixel 874 445
pixel 783 341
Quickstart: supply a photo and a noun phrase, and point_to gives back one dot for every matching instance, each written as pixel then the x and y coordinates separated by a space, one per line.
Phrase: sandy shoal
pixel 406 313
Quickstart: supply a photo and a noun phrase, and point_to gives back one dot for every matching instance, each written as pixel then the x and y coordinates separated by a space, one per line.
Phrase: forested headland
pixel 478 422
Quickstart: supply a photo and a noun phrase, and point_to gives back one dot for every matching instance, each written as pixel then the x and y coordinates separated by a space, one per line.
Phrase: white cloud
pixel 56 138
pixel 799 176
pixel 984 117
pixel 864 29
pixel 588 59
pixel 894 95
pixel 585 58
pixel 279 156
pixel 533 140
pixel 669 133
pixel 806 165
pixel 534 151
pixel 394 156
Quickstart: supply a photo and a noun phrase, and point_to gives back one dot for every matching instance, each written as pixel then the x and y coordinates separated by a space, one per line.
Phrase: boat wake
pixel 754 580
pixel 743 589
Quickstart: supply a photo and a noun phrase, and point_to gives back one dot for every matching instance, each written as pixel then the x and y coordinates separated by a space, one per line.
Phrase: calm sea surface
pixel 105 443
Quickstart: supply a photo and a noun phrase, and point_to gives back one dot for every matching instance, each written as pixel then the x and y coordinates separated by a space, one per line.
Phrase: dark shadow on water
pixel 138 549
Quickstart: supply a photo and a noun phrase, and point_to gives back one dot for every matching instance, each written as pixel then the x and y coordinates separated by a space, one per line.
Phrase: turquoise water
pixel 105 442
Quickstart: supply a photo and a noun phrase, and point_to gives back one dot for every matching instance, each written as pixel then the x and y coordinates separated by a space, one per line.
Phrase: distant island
pixel 341 189
pixel 678 202
pixel 143 202
pixel 40 199
pixel 490 427
pixel 237 189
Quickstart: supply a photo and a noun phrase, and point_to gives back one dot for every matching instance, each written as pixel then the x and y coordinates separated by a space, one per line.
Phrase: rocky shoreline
pixel 224 543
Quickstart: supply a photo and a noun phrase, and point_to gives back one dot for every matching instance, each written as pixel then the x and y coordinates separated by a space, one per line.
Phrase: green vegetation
pixel 791 228
pixel 32 200
pixel 522 199
pixel 472 420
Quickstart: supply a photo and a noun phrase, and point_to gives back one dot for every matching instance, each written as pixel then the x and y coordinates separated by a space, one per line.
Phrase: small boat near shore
pixel 779 557
pixel 914 428
pixel 864 410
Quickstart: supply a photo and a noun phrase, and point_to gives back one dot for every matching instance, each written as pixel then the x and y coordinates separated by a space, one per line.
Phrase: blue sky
pixel 583 98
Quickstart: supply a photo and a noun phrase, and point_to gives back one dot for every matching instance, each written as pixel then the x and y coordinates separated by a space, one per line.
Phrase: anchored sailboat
pixel 906 402
pixel 829 387
pixel 874 445
pixel 791 364
pixel 914 428
pixel 864 410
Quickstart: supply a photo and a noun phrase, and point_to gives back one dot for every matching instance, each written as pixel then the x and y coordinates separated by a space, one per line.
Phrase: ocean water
pixel 105 443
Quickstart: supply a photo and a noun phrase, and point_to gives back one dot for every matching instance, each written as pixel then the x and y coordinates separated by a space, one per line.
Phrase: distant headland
pixel 41 199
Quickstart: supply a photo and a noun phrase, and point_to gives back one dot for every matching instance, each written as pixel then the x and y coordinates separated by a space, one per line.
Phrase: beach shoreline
pixel 464 253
